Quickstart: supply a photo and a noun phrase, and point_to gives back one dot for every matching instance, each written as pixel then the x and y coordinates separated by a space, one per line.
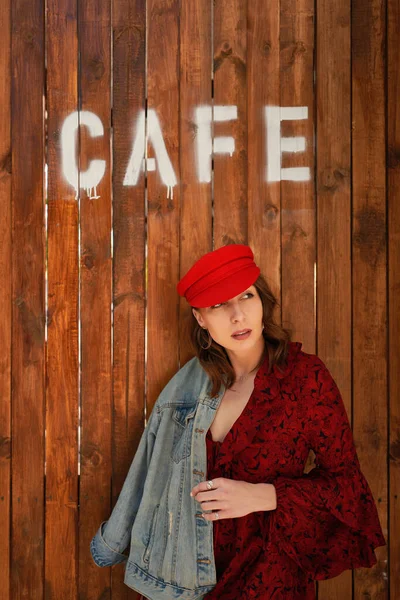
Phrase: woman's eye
pixel 221 303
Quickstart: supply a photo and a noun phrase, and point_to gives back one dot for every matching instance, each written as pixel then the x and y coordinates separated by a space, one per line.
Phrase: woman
pixel 273 539
pixel 216 503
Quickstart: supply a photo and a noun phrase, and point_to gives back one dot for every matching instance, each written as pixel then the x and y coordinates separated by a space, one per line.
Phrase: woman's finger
pixel 216 505
pixel 207 496
pixel 222 514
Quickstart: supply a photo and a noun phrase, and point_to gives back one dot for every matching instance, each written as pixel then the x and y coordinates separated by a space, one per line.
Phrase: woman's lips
pixel 243 336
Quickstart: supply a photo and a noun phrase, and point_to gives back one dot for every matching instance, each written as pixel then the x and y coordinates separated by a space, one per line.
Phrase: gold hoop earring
pixel 199 341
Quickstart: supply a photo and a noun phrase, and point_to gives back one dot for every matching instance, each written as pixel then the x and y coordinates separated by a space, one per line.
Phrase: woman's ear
pixel 197 316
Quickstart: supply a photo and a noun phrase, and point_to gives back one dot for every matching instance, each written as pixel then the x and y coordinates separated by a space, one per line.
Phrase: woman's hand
pixel 231 498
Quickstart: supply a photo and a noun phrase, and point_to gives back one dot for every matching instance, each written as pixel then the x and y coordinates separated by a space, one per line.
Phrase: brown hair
pixel 215 360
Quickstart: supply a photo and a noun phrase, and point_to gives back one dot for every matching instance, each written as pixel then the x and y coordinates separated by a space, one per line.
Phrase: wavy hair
pixel 215 360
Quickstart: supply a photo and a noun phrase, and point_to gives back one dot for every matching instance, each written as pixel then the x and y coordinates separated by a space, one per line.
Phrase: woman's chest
pixel 266 439
pixel 231 407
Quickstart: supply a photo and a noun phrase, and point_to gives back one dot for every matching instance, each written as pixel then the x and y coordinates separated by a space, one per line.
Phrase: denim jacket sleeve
pixel 113 536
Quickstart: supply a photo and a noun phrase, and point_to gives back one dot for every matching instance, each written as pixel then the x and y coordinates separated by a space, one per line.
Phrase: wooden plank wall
pixel 369 258
pixel 62 497
pixel 27 403
pixel 334 214
pixel 5 296
pixel 129 296
pixel 90 322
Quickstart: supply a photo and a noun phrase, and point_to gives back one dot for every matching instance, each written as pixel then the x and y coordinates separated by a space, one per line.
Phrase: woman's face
pixel 244 311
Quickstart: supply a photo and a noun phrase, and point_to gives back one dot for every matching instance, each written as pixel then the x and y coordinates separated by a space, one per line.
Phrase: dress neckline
pixel 247 408
pixel 259 381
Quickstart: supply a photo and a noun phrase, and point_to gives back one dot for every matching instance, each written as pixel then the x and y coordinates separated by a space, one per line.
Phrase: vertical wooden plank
pixel 196 164
pixel 296 172
pixel 129 36
pixel 163 211
pixel 369 258
pixel 393 207
pixel 297 189
pixel 333 157
pixel 28 286
pixel 5 296
pixel 263 92
pixel 94 26
pixel 62 337
pixel 230 81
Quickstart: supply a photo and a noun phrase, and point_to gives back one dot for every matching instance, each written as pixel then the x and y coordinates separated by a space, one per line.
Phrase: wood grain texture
pixel 129 260
pixel 94 24
pixel 298 197
pixel 263 90
pixel 61 569
pixel 333 213
pixel 230 89
pixel 393 322
pixel 369 270
pixel 28 300
pixel 5 296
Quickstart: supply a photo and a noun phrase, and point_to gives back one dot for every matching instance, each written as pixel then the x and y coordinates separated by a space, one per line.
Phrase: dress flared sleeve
pixel 326 520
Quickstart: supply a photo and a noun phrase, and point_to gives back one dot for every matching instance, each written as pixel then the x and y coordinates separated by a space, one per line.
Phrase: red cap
pixel 219 275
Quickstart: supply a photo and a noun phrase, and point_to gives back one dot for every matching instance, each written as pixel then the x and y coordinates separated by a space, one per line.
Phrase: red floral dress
pixel 325 521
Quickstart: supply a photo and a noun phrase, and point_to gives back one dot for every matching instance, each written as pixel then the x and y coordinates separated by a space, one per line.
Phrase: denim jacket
pixel 171 545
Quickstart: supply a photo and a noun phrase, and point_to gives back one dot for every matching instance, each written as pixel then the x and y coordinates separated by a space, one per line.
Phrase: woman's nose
pixel 237 313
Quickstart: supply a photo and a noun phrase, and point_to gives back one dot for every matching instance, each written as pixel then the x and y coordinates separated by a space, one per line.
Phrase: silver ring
pixel 210 484
pixel 216 515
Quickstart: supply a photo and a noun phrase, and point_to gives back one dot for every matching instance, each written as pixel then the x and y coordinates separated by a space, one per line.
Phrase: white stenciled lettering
pixel 206 146
pixel 138 156
pixel 276 144
pixel 204 116
pixel 90 178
